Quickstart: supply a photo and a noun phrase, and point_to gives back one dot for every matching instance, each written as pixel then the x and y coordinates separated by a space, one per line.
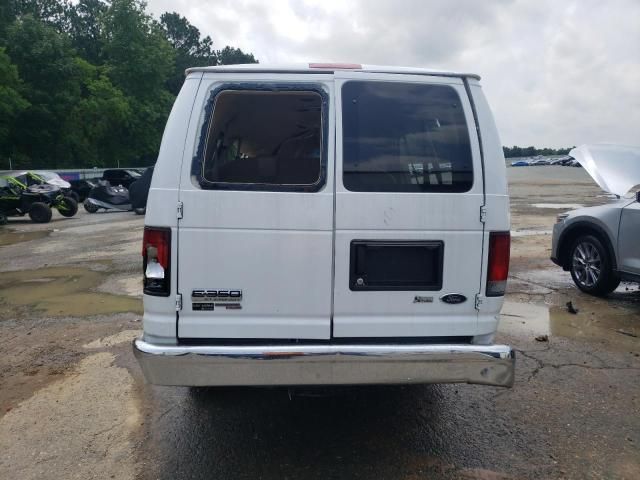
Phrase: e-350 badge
pixel 206 299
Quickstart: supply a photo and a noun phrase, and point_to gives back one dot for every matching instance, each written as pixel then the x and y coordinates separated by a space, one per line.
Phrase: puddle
pixel 127 284
pixel 11 237
pixel 558 206
pixel 595 321
pixel 63 291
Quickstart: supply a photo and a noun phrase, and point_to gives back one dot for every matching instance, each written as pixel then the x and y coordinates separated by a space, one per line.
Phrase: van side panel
pixel 497 200
pixel 159 312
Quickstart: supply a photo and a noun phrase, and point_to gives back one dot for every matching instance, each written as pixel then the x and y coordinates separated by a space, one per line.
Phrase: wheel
pixel 591 267
pixel 140 211
pixel 90 207
pixel 40 212
pixel 3 219
pixel 67 207
pixel 74 195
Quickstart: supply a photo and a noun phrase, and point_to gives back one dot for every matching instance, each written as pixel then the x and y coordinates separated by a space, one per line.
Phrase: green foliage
pixel 51 83
pixel 91 83
pixel 514 152
pixel 98 121
pixel 11 101
pixel 232 56
pixel 193 51
pixel 137 53
pixel 85 28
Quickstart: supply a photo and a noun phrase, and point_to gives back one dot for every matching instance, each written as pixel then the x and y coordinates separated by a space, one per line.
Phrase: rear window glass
pixel 400 137
pixel 264 138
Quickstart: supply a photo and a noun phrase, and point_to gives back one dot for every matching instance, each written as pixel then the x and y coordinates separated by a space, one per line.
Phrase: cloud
pixel 555 73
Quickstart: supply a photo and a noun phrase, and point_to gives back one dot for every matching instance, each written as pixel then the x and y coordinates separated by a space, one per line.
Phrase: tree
pixel 98 121
pixel 51 83
pixel 7 15
pixel 135 49
pixel 233 56
pixel 91 82
pixel 191 50
pixel 515 151
pixel 84 26
pixel 51 12
pixel 139 59
pixel 11 101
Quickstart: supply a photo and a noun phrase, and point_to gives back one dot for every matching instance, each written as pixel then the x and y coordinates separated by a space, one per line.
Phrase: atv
pixel 39 177
pixel 18 199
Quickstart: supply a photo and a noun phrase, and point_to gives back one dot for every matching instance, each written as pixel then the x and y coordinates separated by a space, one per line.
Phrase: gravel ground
pixel 73 403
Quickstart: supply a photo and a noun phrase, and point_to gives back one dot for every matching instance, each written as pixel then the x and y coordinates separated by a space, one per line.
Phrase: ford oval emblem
pixel 453 298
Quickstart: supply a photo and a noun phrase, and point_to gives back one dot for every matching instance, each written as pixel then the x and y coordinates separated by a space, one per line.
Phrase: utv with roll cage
pixel 18 199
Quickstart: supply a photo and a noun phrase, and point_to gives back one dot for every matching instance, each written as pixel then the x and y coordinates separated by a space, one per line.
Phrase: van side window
pixel 268 138
pixel 404 137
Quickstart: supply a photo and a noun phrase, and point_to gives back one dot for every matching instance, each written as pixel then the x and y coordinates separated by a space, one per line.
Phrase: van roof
pixel 326 68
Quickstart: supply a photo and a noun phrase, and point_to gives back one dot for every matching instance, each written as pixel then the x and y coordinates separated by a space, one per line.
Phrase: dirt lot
pixel 73 403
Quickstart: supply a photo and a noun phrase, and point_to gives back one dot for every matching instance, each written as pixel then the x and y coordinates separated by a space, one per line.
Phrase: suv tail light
pixel 498 268
pixel 156 261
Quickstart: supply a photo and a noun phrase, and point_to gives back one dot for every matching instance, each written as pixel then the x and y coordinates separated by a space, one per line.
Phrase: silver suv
pixel 601 245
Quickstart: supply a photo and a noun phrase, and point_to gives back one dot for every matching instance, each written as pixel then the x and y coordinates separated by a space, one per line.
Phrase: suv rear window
pixel 269 138
pixel 403 137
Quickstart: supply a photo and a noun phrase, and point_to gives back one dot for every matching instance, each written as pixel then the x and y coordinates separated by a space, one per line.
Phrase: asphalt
pixel 73 403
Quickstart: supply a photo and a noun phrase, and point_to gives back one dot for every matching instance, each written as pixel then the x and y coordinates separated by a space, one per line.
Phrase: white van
pixel 326 224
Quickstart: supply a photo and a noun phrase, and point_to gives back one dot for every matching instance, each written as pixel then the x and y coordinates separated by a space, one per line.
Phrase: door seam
pixel 333 230
pixel 184 147
pixel 484 189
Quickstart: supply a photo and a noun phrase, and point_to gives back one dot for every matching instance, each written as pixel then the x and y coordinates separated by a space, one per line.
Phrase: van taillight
pixel 156 260
pixel 498 268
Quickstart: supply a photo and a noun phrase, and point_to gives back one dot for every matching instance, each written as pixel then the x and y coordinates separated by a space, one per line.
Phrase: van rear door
pixel 409 191
pixel 256 233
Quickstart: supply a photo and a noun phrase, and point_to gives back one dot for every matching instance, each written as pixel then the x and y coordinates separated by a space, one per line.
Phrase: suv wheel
pixel 591 267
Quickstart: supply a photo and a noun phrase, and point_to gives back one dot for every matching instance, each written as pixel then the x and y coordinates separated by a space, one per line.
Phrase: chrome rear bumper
pixel 325 364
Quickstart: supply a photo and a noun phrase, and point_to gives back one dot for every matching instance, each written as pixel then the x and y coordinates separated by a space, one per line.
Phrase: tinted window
pixel 264 137
pixel 400 137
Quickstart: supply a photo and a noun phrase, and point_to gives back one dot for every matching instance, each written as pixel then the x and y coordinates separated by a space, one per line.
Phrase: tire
pixel 591 266
pixel 90 207
pixel 140 211
pixel 67 207
pixel 74 195
pixel 3 219
pixel 40 212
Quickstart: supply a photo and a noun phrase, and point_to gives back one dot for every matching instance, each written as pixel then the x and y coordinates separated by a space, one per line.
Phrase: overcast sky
pixel 556 73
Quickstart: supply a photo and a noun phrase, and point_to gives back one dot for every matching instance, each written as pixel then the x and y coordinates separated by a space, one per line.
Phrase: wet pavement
pixel 73 403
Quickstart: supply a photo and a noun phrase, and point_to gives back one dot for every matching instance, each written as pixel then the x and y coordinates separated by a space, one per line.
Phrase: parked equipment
pixel 121 176
pixel 81 188
pixel 28 178
pixel 106 196
pixel 18 199
pixel 139 191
